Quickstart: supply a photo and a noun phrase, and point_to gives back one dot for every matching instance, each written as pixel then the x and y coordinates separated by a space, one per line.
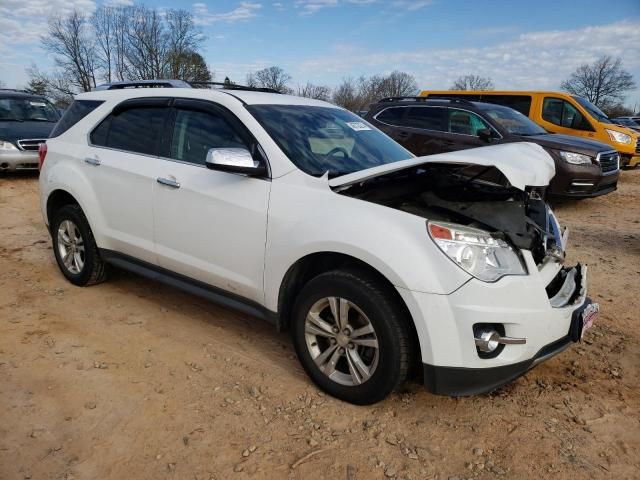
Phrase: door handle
pixel 92 161
pixel 169 182
pixel 403 135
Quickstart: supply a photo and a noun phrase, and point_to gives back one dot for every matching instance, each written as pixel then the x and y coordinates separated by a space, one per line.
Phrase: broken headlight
pixel 476 251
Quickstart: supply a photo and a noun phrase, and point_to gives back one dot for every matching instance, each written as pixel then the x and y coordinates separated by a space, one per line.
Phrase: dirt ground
pixel 134 380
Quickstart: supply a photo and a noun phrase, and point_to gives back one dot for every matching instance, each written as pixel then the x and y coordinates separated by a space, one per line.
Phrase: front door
pixel 210 225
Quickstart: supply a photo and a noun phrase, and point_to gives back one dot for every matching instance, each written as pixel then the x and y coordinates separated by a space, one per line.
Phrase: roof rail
pixel 14 90
pixel 461 101
pixel 168 83
pixel 232 86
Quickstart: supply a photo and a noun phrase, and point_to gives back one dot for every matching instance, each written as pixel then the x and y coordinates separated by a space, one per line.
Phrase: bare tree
pixel 397 84
pixel 103 21
pixel 148 44
pixel 472 82
pixel 189 66
pixel 58 85
pixel 70 43
pixel 272 77
pixel 346 95
pixel 318 92
pixel 184 39
pixel 357 95
pixel 603 82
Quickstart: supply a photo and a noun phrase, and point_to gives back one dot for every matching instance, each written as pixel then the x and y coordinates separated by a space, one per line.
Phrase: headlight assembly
pixel 4 145
pixel 476 251
pixel 619 137
pixel 575 158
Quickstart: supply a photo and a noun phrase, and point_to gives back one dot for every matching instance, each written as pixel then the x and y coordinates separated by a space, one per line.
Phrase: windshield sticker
pixel 358 126
pixel 37 104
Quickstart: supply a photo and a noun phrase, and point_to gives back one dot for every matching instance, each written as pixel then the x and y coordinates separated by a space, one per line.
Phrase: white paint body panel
pixel 243 234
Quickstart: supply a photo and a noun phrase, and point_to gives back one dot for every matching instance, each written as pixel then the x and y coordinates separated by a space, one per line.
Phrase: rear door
pixel 121 163
pixel 420 129
pixel 209 225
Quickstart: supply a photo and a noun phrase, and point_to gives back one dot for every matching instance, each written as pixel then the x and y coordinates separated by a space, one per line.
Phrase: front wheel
pixel 351 336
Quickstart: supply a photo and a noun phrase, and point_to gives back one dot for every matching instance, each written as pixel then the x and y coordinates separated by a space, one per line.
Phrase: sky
pixel 518 44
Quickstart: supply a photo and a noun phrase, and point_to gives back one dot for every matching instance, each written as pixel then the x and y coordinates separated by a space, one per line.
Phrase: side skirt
pixel 189 285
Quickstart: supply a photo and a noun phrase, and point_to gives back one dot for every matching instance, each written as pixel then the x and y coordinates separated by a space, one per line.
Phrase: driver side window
pixel 562 113
pixel 465 123
pixel 196 132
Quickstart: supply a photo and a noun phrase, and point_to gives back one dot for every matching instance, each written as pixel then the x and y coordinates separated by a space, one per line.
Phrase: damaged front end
pixel 475 196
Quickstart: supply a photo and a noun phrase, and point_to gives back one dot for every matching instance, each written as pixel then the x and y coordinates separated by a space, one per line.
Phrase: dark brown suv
pixel 584 168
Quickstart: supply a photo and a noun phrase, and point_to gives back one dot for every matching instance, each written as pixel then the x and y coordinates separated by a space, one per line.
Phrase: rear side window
pixel 195 132
pixel 76 112
pixel 428 118
pixel 521 103
pixel 136 130
pixel 391 116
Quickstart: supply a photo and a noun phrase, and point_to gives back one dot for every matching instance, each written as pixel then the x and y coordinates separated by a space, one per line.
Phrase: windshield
pixel 627 122
pixel 321 139
pixel 594 111
pixel 513 121
pixel 27 109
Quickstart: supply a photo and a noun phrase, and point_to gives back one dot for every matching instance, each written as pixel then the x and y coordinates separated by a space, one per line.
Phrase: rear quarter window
pixel 76 112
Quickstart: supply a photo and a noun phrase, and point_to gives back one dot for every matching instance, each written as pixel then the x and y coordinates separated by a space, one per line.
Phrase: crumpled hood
pixel 523 164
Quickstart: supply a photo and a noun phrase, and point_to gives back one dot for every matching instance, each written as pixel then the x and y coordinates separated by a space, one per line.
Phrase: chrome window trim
pixel 447 107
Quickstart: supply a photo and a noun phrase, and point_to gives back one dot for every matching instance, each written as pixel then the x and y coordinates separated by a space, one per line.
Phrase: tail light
pixel 42 153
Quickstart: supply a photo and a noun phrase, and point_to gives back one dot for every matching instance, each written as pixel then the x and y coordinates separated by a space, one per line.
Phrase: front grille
pixel 31 143
pixel 608 161
pixel 638 145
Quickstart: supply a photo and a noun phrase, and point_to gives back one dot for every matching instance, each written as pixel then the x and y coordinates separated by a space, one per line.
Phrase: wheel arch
pixel 314 264
pixel 58 199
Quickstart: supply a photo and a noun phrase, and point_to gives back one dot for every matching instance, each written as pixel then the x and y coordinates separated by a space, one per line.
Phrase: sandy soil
pixel 134 380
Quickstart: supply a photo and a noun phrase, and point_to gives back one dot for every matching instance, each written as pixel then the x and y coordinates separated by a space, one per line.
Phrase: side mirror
pixel 234 160
pixel 485 134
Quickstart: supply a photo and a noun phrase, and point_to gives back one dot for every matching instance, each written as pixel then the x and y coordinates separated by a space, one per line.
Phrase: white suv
pixel 302 213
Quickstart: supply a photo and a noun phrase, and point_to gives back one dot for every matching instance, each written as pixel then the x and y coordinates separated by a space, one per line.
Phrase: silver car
pixel 26 120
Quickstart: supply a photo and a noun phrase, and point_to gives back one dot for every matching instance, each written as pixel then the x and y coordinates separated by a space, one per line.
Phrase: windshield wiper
pixel 41 120
pixel 11 120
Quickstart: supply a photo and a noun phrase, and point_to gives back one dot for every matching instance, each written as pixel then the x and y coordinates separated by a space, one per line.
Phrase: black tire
pixel 94 269
pixel 373 298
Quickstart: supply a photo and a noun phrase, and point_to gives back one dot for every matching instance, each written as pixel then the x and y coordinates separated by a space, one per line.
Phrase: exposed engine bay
pixel 472 195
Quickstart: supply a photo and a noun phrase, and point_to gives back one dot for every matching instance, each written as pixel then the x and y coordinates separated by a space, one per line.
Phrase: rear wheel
pixel 351 337
pixel 75 248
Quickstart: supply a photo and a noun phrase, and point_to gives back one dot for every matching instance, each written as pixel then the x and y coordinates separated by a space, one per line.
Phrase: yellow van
pixel 559 112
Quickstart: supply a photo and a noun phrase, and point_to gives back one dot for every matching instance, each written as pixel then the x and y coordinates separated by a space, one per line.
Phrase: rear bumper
pixel 18 160
pixel 457 381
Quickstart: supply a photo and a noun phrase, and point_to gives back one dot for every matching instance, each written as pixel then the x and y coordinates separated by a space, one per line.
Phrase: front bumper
pixel 520 304
pixel 578 181
pixel 13 160
pixel 457 382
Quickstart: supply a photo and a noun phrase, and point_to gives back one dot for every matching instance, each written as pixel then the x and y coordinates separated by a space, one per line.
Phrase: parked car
pixel 584 168
pixel 628 122
pixel 559 112
pixel 25 122
pixel 299 212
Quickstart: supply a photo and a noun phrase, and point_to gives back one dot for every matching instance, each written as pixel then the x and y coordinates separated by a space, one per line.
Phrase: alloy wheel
pixel 71 247
pixel 341 341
